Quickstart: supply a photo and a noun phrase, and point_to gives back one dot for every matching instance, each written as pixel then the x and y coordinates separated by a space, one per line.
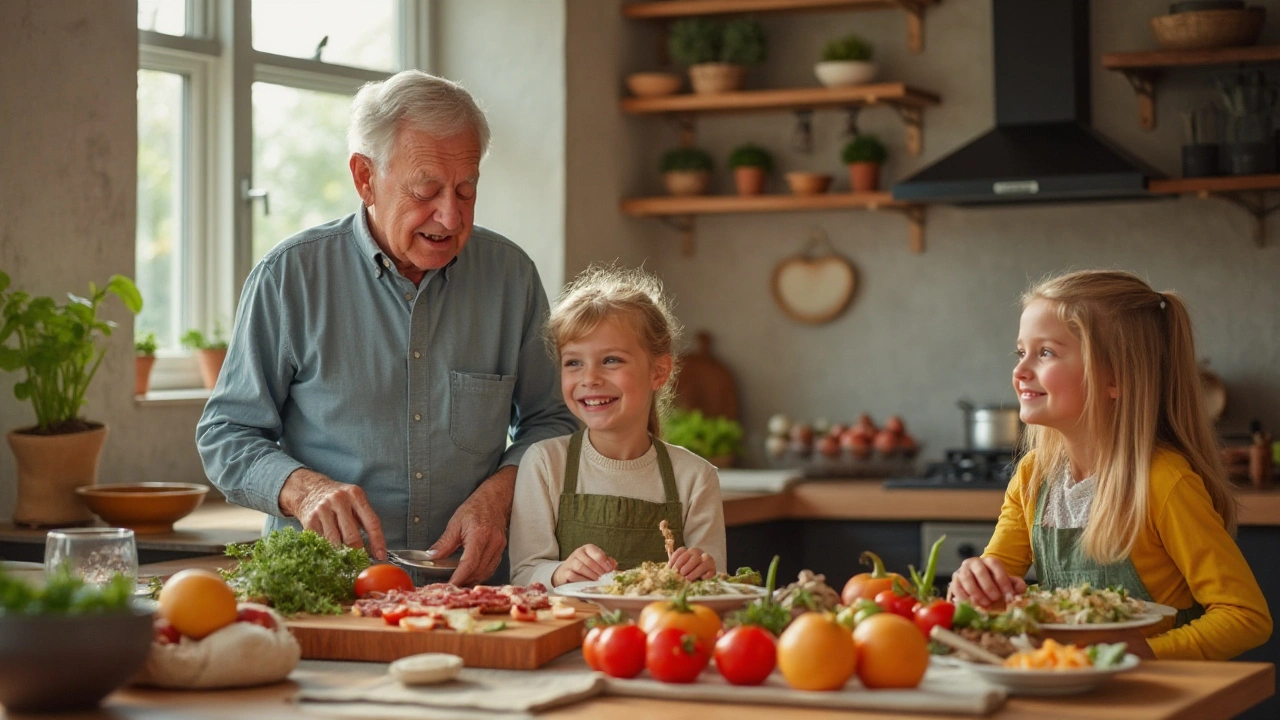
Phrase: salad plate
pixel 596 591
pixel 1154 614
pixel 1019 681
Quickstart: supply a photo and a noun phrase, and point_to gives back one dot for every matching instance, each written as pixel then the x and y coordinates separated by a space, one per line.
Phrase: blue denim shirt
pixel 339 364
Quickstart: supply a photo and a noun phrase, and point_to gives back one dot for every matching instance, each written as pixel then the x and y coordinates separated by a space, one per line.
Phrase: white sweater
pixel 535 553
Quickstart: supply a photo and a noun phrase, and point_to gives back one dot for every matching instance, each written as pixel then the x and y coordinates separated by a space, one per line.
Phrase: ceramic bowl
pixel 151 507
pixel 808 183
pixel 1208 29
pixel 842 73
pixel 653 84
pixel 52 663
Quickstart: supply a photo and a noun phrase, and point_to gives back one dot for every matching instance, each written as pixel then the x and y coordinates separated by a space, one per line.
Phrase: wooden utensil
pixel 946 637
pixel 705 384
pixel 817 285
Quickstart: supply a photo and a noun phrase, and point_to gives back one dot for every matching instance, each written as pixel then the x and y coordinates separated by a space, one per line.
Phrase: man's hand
pixel 479 527
pixel 337 511
pixel 586 563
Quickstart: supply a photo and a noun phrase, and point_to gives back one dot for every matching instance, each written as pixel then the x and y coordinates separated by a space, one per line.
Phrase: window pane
pixel 161 221
pixel 300 158
pixel 166 16
pixel 362 34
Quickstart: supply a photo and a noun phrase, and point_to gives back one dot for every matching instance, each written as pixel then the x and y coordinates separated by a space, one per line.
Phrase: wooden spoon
pixel 946 637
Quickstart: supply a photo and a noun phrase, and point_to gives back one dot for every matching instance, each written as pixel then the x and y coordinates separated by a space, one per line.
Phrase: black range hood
pixel 1042 148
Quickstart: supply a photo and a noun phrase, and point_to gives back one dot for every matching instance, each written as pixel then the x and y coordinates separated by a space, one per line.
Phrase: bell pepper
pixel 869 584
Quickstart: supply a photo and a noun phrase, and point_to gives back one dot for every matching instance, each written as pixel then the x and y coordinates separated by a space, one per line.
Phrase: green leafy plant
pixel 196 340
pixel 694 41
pixel 707 437
pixel 750 155
pixel 864 148
pixel 296 572
pixel 743 42
pixel 850 47
pixel 146 344
pixel 58 348
pixel 64 594
pixel 685 158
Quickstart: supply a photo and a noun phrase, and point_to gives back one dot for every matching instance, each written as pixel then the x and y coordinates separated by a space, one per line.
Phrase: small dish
pixel 653 84
pixel 593 591
pixel 1044 682
pixel 808 183
pixel 426 669
pixel 419 560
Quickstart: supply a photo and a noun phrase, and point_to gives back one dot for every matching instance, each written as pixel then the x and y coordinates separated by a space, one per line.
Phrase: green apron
pixel 1061 562
pixel 625 528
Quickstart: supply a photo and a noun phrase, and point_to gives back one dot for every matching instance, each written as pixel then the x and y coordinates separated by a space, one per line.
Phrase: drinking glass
pixel 93 554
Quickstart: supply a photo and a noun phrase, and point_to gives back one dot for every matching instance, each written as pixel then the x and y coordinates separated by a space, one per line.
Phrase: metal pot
pixel 991 427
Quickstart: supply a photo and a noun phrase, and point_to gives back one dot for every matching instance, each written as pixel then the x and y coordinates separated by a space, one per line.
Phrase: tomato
pixel 382 577
pixel 590 646
pixel 620 651
pixel 816 653
pixel 675 655
pixel 164 633
pixel 938 613
pixel 256 614
pixel 868 585
pixel 697 619
pixel 896 604
pixel 197 602
pixel 891 652
pixel 746 655
pixel 392 615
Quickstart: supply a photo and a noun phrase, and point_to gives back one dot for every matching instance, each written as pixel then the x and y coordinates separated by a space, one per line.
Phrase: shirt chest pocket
pixel 480 410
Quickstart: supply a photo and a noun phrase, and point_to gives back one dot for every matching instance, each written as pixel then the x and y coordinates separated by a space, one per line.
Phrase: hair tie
pixel 1162 302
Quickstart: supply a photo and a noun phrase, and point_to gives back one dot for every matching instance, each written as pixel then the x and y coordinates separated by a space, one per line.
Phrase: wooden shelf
pixel 679 211
pixel 671 9
pixel 908 101
pixel 1246 191
pixel 1142 69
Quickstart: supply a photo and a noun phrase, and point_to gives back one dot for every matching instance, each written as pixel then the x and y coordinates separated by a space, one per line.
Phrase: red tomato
pixel 590 646
pixel 746 655
pixel 394 614
pixel 381 578
pixel 891 602
pixel 675 656
pixel 938 613
pixel 620 651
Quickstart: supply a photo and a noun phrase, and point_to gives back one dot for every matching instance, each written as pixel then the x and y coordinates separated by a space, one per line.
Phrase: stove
pixel 964 469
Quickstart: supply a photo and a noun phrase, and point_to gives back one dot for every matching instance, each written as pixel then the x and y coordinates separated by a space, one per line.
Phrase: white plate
pixel 593 591
pixel 1043 682
pixel 1154 614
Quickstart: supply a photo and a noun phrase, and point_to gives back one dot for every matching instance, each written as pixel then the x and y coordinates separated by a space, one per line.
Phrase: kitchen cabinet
pixel 1261 547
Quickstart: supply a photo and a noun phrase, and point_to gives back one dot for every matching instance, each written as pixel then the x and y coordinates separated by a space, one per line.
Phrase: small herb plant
pixel 750 155
pixel 695 41
pixel 707 437
pixel 685 159
pixel 743 42
pixel 196 340
pixel 64 594
pixel 864 149
pixel 850 47
pixel 145 345
pixel 58 348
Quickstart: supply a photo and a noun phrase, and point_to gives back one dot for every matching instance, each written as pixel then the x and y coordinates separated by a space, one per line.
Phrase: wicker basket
pixel 1208 29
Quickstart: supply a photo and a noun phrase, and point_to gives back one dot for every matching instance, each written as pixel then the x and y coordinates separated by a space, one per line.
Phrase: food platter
pixel 594 591
pixel 1154 614
pixel 1043 682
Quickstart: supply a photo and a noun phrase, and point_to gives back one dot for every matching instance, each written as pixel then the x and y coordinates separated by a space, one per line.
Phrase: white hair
pixel 428 103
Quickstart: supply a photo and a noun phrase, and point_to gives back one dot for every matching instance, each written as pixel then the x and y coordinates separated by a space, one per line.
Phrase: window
pixel 232 162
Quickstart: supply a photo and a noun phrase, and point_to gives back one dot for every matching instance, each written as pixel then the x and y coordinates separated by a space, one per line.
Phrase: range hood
pixel 1042 148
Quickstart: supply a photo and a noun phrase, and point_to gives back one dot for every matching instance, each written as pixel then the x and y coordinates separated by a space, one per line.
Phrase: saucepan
pixel 991 427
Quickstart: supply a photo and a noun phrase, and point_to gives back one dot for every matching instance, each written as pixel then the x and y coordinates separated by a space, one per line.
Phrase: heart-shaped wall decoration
pixel 814 289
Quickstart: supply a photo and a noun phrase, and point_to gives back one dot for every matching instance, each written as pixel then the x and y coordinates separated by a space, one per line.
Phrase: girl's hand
pixel 586 563
pixel 984 582
pixel 692 563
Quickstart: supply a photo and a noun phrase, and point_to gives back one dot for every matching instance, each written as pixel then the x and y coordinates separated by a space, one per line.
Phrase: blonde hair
pixel 1139 341
pixel 604 292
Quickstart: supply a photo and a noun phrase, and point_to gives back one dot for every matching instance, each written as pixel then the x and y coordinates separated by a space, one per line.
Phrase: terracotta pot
pixel 716 77
pixel 687 182
pixel 142 373
pixel 50 468
pixel 750 180
pixel 210 365
pixel 864 176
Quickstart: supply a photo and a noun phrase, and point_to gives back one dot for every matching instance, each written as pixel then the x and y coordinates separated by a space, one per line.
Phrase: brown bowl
pixel 653 84
pixel 1208 29
pixel 808 183
pixel 151 507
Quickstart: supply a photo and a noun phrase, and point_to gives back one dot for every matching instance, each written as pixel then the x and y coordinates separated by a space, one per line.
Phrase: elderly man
pixel 380 362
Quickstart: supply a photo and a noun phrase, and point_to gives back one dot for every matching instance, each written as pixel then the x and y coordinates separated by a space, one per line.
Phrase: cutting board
pixel 522 646
pixel 705 384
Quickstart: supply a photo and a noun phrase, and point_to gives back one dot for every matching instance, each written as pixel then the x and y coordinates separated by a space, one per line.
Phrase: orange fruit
pixel 197 602
pixel 817 653
pixel 892 652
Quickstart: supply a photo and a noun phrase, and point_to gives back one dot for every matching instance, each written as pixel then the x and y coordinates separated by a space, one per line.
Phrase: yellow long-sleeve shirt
pixel 1182 554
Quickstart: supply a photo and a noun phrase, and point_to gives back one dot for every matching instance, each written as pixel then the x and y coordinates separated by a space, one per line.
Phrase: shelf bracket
pixel 915 225
pixel 915 23
pixel 1144 86
pixel 687 125
pixel 913 120
pixel 1256 206
pixel 802 135
pixel 685 225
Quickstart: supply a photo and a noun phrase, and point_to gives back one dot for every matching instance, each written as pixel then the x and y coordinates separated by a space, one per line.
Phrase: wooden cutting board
pixel 705 384
pixel 522 646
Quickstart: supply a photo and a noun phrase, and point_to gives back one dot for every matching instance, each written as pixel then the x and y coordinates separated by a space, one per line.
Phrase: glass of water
pixel 93 554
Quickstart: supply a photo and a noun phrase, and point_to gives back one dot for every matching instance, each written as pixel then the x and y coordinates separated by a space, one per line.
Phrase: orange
pixel 197 602
pixel 892 652
pixel 817 653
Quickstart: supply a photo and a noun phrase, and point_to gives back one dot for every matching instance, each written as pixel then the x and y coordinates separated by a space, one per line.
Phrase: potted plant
pixel 210 354
pixel 717 54
pixel 864 155
pixel 750 163
pixel 686 171
pixel 59 349
pixel 144 348
pixel 717 439
pixel 846 61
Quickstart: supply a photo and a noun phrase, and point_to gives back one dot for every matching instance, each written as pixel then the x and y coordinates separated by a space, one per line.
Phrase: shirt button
pixel 416 354
pixel 378 272
pixel 416 518
pixel 386 262
pixel 416 416
pixel 408 296
pixel 418 475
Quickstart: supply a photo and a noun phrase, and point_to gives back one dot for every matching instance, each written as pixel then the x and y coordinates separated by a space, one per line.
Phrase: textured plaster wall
pixel 923 330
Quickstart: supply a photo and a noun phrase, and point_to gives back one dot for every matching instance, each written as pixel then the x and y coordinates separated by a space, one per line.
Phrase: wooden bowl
pixel 808 183
pixel 1208 29
pixel 151 507
pixel 653 84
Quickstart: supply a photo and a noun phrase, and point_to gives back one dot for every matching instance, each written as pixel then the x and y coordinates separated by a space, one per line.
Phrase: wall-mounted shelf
pixel 679 211
pixel 670 9
pixel 908 101
pixel 1143 69
pixel 1247 191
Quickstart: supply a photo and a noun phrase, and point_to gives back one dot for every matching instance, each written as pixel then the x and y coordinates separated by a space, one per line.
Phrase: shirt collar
pixel 381 262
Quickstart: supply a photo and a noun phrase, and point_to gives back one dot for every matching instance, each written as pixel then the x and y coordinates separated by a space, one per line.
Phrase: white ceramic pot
pixel 842 73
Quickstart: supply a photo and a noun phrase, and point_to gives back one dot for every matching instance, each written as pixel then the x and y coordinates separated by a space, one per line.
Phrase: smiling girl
pixel 592 502
pixel 1122 484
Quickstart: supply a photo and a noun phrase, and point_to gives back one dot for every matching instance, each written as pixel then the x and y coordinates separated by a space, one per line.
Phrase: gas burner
pixel 976 469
